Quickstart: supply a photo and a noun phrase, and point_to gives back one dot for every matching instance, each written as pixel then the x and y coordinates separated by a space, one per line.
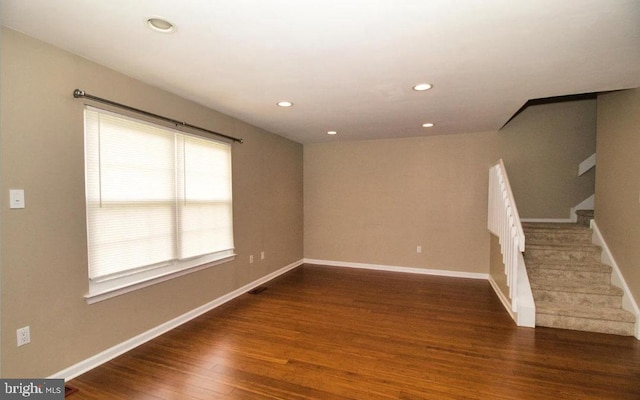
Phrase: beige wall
pixel 43 250
pixel 542 148
pixel 375 201
pixel 618 181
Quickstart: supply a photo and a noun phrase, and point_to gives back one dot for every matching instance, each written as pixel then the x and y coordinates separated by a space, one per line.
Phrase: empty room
pixel 247 199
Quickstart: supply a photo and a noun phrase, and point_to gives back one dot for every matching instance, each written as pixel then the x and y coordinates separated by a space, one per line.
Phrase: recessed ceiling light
pixel 160 25
pixel 285 104
pixel 427 125
pixel 420 87
pixel 332 133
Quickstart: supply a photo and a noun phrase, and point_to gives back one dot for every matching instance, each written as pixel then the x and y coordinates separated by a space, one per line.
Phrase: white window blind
pixel 158 200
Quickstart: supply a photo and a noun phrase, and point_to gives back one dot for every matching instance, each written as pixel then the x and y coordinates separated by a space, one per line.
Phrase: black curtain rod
pixel 80 93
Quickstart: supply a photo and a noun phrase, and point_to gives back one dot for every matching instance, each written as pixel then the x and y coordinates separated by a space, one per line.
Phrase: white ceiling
pixel 349 65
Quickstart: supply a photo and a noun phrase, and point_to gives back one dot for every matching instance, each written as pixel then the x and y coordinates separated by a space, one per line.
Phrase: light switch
pixel 16 198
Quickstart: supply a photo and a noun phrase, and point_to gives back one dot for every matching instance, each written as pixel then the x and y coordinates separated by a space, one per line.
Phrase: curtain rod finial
pixel 78 93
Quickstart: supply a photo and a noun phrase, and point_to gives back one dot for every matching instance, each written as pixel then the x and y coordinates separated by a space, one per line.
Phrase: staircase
pixel 571 287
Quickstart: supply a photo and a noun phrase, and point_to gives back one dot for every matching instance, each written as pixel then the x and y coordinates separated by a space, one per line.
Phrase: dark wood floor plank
pixel 332 333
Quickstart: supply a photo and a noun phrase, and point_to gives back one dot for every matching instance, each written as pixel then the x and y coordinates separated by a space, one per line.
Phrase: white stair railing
pixel 504 222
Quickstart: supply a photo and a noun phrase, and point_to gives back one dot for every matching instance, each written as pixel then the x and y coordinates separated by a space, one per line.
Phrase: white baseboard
pixel 115 351
pixel 628 302
pixel 393 268
pixel 526 305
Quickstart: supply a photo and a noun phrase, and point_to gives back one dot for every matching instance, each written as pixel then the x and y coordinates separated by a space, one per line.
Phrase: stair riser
pixel 598 278
pixel 553 255
pixel 558 237
pixel 585 221
pixel 585 324
pixel 578 299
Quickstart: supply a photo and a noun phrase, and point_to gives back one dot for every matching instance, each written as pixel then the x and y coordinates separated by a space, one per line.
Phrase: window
pixel 158 202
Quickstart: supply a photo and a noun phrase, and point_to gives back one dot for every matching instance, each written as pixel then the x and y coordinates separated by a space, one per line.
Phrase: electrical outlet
pixel 251 259
pixel 419 249
pixel 24 336
pixel 16 198
pixel 262 255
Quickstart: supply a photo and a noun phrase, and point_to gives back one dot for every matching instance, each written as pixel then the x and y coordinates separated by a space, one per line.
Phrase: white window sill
pixel 96 296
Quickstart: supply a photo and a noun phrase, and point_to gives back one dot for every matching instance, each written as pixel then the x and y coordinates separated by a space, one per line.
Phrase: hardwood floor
pixel 333 333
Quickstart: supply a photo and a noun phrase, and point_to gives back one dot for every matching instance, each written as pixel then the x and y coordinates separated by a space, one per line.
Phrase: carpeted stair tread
pixel 551 236
pixel 571 287
pixel 563 246
pixel 599 313
pixel 588 266
pixel 590 319
pixel 562 253
pixel 527 226
pixel 559 239
pixel 585 275
pixel 576 287
pixel 558 228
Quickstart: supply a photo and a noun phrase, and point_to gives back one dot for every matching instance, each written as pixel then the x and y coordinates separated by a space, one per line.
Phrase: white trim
pixel 393 268
pixel 587 164
pixel 113 352
pixel 526 306
pixel 92 298
pixel 628 302
pixel 553 220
